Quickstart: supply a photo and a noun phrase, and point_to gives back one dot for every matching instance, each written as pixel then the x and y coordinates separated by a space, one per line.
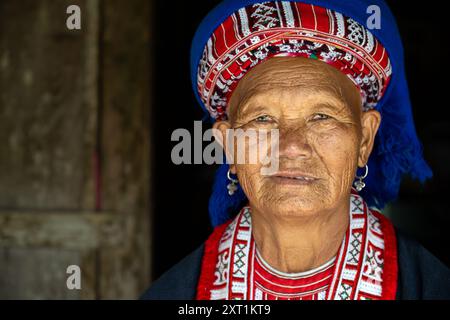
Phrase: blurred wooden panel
pixel 81 231
pixel 45 280
pixel 125 133
pixel 48 104
pixel 36 249
pixel 68 98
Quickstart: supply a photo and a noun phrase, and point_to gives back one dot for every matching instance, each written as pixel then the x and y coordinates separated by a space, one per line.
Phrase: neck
pixel 298 244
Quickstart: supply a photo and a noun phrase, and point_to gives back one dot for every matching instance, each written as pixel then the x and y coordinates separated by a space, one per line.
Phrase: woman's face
pixel 323 134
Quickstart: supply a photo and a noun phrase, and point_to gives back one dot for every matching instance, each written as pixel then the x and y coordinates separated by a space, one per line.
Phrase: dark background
pixel 181 192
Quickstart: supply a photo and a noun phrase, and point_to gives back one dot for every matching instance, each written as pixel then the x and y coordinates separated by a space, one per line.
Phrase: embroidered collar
pixel 298 275
pixel 271 284
pixel 365 266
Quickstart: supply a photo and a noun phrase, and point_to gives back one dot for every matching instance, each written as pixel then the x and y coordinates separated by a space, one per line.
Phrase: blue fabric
pixel 397 150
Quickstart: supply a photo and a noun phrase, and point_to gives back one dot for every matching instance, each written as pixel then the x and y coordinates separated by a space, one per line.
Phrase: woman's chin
pixel 295 207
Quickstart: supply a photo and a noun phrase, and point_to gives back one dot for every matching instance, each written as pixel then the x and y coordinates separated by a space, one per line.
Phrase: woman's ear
pixel 370 122
pixel 220 135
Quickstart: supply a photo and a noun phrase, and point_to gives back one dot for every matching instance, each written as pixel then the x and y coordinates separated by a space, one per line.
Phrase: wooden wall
pixel 75 148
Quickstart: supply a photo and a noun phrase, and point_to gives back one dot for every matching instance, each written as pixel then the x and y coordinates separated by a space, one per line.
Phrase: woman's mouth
pixel 293 178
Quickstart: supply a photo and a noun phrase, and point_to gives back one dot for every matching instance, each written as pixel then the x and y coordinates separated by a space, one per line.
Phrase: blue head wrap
pixel 397 150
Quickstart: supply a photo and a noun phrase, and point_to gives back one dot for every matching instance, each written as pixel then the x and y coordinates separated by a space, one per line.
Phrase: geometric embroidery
pixel 359 263
pixel 264 16
pixel 239 260
pixel 246 218
pixel 374 224
pixel 358 204
pixel 355 249
pixel 374 265
pixel 221 269
pixel 345 292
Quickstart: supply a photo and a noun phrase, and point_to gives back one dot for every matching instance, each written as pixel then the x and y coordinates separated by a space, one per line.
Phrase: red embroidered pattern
pixel 260 31
pixel 270 284
pixel 365 266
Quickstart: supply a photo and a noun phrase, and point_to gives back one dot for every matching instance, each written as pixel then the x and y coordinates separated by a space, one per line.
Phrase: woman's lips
pixel 293 178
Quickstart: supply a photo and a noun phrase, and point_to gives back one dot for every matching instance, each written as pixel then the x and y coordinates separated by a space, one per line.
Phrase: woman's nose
pixel 294 142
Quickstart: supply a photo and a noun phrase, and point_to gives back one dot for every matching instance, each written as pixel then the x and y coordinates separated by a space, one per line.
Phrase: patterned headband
pixel 260 31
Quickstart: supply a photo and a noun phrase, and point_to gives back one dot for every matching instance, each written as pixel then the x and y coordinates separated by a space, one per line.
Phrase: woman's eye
pixel 321 116
pixel 264 118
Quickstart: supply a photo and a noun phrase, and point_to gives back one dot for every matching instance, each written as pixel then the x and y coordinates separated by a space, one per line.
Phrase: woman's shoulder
pixel 180 281
pixel 420 274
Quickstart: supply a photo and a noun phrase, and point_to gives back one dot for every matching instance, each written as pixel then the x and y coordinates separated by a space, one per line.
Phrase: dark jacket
pixel 421 275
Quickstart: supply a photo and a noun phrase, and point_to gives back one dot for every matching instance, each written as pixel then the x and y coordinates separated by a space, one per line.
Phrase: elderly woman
pixel 336 93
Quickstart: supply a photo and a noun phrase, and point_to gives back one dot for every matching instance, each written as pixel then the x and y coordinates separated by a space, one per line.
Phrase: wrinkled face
pixel 323 134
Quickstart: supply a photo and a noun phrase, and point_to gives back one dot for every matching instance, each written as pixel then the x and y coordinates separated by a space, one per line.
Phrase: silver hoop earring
pixel 359 184
pixel 233 185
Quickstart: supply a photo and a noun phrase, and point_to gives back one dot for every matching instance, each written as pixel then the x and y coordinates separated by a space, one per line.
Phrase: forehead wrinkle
pixel 309 76
pixel 283 66
pixel 308 92
pixel 261 101
pixel 313 82
pixel 283 78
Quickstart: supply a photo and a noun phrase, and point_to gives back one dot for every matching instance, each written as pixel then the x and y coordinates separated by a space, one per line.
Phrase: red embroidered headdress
pixel 271 29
